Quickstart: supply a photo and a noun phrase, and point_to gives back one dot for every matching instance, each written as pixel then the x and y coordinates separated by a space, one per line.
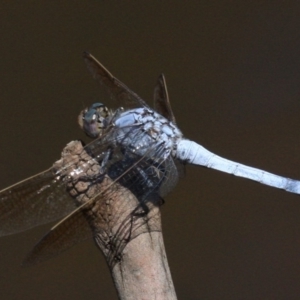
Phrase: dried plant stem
pixel 127 231
pixel 143 273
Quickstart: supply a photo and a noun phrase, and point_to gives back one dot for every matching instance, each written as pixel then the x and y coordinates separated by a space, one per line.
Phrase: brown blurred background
pixel 233 72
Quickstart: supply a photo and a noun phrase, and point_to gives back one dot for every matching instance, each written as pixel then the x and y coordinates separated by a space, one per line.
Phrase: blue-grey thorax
pixel 142 128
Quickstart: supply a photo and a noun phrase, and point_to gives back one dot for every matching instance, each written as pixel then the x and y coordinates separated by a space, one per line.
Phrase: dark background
pixel 233 73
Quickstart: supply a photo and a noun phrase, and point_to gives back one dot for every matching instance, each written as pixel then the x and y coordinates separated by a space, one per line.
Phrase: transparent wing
pixel 161 99
pixel 115 88
pixel 34 201
pixel 37 200
pixel 127 176
pixel 42 198
pixel 71 232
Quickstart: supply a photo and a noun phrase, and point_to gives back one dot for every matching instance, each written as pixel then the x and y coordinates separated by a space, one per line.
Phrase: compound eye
pixel 94 120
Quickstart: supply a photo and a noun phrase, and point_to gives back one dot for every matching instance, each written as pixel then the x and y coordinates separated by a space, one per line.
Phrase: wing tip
pixel 86 54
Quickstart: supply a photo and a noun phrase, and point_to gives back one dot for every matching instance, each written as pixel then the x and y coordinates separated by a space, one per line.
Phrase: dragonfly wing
pixel 161 99
pixel 34 201
pixel 94 219
pixel 37 200
pixel 115 88
pixel 60 239
pixel 117 206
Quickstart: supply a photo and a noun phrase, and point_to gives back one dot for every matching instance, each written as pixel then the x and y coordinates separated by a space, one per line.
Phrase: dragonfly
pixel 136 151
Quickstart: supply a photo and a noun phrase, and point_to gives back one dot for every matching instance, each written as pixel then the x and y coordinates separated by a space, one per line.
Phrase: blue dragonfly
pixel 135 148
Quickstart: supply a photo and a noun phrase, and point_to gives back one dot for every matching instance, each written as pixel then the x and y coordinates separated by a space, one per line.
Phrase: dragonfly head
pixel 94 120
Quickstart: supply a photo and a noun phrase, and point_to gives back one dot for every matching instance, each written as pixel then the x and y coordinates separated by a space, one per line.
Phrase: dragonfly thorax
pixel 144 128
